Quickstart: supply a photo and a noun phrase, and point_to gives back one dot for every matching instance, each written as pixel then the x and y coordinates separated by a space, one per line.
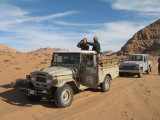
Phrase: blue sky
pixel 27 25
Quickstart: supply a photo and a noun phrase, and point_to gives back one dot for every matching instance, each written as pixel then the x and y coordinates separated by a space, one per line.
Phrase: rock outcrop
pixel 147 40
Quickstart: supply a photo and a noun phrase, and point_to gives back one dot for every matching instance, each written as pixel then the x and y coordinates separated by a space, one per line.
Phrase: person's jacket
pixel 96 46
pixel 83 46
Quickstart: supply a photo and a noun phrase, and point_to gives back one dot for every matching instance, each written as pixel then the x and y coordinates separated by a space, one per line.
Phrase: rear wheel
pixel 105 86
pixel 64 96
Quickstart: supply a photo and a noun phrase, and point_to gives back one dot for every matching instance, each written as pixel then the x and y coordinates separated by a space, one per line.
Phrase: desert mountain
pixel 147 40
pixel 4 48
pixel 107 53
pixel 47 50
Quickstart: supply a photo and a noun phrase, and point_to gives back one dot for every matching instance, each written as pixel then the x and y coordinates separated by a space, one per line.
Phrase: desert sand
pixel 130 98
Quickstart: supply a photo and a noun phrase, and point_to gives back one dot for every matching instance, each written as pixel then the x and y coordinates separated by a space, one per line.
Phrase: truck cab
pixel 136 64
pixel 70 71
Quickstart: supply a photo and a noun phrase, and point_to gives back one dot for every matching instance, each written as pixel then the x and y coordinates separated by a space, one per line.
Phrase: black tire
pixel 141 73
pixel 63 96
pixel 121 74
pixel 148 71
pixel 105 86
pixel 32 97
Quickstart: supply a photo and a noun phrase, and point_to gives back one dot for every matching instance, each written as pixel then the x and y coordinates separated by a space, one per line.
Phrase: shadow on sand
pixel 130 75
pixel 15 97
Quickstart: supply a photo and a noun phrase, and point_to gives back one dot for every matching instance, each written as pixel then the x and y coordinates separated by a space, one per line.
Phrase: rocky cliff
pixel 147 40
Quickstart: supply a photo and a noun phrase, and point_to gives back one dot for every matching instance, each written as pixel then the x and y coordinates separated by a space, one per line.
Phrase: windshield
pixel 66 58
pixel 134 58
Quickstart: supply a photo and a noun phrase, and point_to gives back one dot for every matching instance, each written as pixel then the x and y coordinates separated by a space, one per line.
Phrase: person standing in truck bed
pixel 83 44
pixel 159 65
pixel 96 45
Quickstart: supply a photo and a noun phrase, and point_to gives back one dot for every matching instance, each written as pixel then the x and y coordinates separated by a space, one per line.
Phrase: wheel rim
pixel 66 96
pixel 107 84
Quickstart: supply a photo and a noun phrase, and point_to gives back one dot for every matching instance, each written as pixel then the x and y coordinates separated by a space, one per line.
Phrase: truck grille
pixel 41 79
pixel 128 67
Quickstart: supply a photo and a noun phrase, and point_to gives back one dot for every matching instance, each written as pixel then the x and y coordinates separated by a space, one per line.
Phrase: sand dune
pixel 130 98
pixel 4 48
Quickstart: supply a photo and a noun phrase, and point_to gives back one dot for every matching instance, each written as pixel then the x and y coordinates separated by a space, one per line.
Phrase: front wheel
pixel 140 73
pixel 105 86
pixel 64 96
pixel 148 71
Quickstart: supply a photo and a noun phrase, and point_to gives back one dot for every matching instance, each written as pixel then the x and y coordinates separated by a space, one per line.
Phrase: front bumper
pixel 129 71
pixel 29 92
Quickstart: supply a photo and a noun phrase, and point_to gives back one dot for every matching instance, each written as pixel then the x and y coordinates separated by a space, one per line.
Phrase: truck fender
pixel 71 82
pixel 109 76
pixel 105 77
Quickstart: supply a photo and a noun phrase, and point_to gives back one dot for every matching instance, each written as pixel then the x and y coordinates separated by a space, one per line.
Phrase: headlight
pixel 55 81
pixel 136 67
pixel 28 77
pixel 49 81
pixel 33 78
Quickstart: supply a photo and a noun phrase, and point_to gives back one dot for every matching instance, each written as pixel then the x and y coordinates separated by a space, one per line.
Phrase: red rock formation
pixel 144 41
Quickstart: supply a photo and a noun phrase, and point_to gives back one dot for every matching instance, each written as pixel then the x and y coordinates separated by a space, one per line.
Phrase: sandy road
pixel 130 98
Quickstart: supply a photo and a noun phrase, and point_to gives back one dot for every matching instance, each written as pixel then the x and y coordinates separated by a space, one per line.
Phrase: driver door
pixel 89 75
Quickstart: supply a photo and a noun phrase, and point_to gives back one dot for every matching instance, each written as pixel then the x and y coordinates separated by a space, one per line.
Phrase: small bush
pixel 46 59
pixel 6 60
pixel 43 63
pixel 19 83
pixel 17 68
pixel 36 66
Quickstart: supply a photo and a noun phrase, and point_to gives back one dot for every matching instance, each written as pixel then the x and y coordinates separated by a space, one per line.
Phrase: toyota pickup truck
pixel 136 64
pixel 70 71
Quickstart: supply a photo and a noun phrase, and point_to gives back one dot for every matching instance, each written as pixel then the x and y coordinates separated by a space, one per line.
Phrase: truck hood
pixel 55 71
pixel 131 63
